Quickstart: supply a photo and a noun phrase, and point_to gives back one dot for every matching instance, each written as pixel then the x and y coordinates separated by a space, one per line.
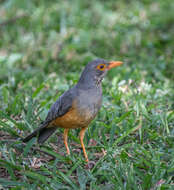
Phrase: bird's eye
pixel 101 67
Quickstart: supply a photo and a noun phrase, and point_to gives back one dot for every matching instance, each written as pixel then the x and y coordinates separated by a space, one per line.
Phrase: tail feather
pixel 45 134
pixel 41 132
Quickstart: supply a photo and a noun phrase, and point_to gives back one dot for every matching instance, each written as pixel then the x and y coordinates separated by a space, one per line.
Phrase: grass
pixel 43 48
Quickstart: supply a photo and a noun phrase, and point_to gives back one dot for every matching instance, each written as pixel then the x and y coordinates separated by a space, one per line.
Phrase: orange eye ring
pixel 101 67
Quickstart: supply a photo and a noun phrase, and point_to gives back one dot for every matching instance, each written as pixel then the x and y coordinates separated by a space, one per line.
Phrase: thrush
pixel 78 106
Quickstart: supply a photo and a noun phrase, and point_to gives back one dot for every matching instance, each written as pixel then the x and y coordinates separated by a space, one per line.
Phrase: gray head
pixel 95 71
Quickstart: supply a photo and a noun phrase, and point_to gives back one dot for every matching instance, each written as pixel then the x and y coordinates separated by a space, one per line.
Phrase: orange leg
pixel 82 133
pixel 65 136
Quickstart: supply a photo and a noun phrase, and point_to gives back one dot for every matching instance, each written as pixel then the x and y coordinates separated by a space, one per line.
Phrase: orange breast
pixel 74 119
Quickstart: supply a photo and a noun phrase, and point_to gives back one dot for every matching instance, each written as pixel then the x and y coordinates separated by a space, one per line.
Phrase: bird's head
pixel 95 71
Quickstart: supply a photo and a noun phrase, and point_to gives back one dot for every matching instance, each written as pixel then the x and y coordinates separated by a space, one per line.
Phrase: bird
pixel 76 107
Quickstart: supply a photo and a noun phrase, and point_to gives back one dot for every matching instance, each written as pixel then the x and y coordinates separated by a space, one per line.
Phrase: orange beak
pixel 113 64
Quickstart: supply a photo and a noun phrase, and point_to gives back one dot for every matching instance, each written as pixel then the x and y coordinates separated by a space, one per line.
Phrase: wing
pixel 61 106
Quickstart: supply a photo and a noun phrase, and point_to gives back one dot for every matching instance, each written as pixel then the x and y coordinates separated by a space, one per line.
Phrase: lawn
pixel 44 46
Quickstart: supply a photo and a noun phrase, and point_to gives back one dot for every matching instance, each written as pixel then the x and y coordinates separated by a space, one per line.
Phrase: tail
pixel 43 133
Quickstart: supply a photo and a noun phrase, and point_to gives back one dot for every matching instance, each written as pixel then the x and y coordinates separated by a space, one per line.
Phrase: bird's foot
pixel 90 165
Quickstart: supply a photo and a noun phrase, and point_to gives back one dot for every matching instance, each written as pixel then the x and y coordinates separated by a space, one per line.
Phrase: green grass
pixel 43 48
